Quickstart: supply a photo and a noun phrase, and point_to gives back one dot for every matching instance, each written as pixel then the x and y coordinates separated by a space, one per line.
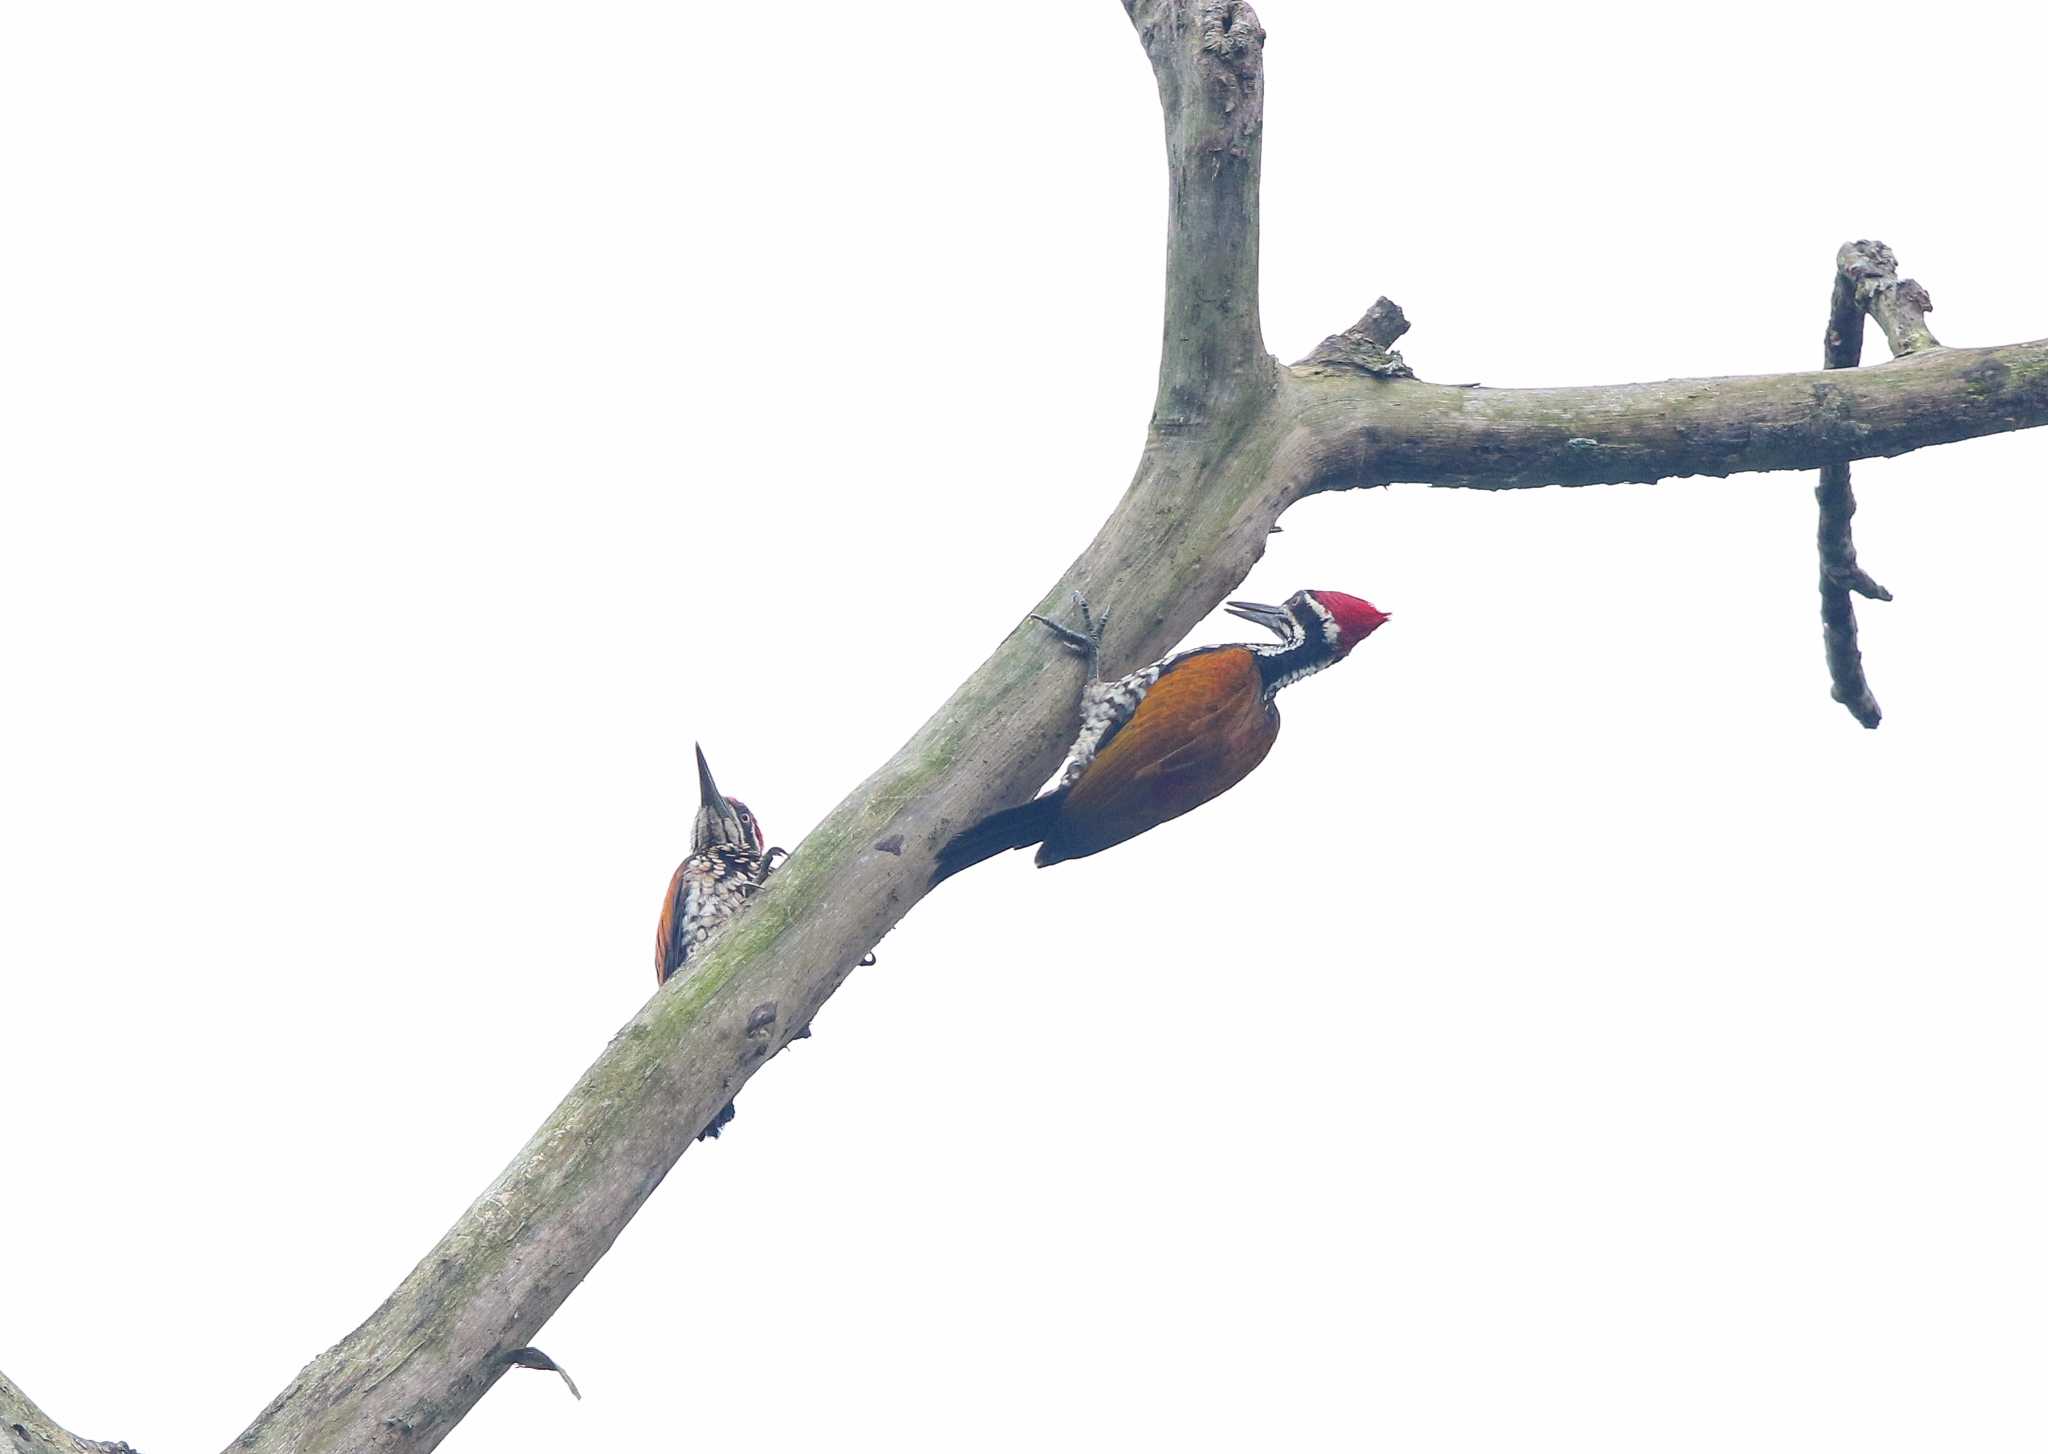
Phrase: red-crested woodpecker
pixel 1170 736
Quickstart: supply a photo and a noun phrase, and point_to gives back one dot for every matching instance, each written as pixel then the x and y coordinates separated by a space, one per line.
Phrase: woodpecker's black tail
pixel 1017 827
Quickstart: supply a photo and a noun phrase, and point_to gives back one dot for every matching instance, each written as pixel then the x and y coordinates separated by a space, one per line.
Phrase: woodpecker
pixel 1169 736
pixel 728 861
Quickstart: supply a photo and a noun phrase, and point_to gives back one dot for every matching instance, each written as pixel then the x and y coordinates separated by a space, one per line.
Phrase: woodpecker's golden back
pixel 1202 726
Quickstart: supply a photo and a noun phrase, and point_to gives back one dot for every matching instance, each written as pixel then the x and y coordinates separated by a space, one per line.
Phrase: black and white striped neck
pixel 1309 647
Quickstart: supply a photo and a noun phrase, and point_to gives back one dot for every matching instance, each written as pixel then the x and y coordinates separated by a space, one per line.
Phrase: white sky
pixel 424 422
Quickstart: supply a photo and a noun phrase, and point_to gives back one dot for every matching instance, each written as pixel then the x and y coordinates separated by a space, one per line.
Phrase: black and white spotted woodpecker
pixel 1169 736
pixel 729 859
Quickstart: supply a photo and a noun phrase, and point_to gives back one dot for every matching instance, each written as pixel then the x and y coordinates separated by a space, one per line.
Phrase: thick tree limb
pixel 1235 439
pixel 1377 432
pixel 1217 470
pixel 1208 58
pixel 28 1430
pixel 1189 529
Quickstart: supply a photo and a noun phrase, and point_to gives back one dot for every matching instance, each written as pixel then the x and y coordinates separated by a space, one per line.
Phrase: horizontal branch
pixel 1371 431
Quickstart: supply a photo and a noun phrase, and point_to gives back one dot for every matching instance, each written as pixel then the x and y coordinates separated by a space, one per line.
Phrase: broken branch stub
pixel 1367 346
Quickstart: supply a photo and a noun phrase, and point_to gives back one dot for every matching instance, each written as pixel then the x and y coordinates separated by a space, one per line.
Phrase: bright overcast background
pixel 423 422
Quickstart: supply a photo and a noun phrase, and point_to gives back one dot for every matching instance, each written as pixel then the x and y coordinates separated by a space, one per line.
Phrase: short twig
pixel 534 1358
pixel 1866 281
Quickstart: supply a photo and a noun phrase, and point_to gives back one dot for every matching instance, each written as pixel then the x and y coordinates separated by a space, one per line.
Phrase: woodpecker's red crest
pixel 1170 736
pixel 1354 619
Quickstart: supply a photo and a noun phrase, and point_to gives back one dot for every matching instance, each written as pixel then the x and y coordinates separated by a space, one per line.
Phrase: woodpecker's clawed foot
pixel 718 1123
pixel 866 960
pixel 773 859
pixel 1088 640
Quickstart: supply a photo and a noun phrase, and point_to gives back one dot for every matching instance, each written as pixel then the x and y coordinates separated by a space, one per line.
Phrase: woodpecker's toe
pixel 1088 640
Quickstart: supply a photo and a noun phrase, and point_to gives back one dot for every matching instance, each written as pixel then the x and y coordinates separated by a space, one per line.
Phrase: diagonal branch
pixel 1189 529
pixel 26 1429
pixel 1218 469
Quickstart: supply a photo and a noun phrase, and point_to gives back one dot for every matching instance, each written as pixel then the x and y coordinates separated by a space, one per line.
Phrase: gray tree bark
pixel 29 1430
pixel 1235 438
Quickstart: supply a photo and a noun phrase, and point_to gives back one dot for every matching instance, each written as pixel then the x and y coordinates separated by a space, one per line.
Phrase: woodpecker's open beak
pixel 1276 619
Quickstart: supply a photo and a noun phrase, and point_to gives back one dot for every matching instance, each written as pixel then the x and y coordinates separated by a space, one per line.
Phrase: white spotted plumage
pixel 715 886
pixel 1106 706
pixel 728 861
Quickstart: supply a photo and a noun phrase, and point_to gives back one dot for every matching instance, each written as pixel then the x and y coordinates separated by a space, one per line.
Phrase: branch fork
pixel 1235 440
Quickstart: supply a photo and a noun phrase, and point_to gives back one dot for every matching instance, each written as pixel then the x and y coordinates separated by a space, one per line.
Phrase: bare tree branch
pixel 1208 58
pixel 1383 431
pixel 1839 575
pixel 1866 280
pixel 1235 439
pixel 1217 470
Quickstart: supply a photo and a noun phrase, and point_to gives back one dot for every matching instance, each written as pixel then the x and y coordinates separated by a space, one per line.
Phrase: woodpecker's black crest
pixel 727 862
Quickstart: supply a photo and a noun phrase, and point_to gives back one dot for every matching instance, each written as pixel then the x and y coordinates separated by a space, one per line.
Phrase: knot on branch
pixel 1231 30
pixel 1230 64
pixel 1866 258
pixel 1366 346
